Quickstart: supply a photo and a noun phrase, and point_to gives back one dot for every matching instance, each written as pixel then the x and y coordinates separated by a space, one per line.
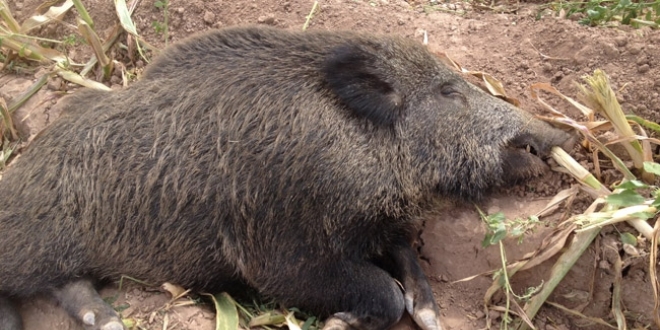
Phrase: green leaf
pixel 625 198
pixel 495 219
pixel 268 318
pixel 656 203
pixel 517 231
pixel 646 123
pixel 628 238
pixel 308 323
pixel 226 313
pixel 652 167
pixel 494 237
pixel 632 184
pixel 495 227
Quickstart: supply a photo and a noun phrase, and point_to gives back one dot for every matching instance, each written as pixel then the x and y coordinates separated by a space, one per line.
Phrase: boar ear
pixel 354 75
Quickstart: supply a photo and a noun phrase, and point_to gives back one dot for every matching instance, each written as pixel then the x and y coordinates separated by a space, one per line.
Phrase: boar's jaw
pixel 522 158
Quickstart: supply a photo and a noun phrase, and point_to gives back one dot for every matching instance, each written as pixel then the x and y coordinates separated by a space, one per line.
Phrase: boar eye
pixel 449 90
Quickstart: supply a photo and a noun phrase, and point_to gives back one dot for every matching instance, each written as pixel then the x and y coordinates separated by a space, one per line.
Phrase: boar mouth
pixel 522 159
pixel 526 142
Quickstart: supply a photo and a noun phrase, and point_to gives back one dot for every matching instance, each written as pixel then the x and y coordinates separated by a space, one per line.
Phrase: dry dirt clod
pixel 209 17
pixel 644 68
pixel 266 19
pixel 621 41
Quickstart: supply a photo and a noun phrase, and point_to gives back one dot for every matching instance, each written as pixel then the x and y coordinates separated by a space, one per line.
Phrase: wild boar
pixel 292 163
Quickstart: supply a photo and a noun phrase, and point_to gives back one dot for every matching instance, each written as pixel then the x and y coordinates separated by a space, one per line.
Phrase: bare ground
pixel 516 47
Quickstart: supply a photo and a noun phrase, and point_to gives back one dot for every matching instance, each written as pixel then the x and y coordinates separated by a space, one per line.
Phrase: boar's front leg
pixel 420 303
pixel 82 301
pixel 354 292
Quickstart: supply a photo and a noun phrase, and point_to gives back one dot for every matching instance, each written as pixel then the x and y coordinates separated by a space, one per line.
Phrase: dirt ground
pixel 517 47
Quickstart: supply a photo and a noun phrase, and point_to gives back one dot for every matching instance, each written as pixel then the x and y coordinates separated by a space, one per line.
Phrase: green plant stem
pixel 28 94
pixel 580 243
pixel 83 13
pixel 507 286
pixel 166 15
pixel 8 18
pixel 309 17
pixel 645 22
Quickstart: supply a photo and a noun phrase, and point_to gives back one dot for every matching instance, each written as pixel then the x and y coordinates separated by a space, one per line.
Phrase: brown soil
pixel 516 47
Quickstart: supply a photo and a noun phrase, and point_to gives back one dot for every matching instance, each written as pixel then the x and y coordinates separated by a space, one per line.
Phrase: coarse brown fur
pixel 294 163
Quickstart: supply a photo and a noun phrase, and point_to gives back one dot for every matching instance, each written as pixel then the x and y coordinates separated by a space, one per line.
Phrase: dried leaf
pixel 54 13
pixel 78 79
pixel 174 290
pixel 494 86
pixel 548 88
pixel 291 321
pixel 125 17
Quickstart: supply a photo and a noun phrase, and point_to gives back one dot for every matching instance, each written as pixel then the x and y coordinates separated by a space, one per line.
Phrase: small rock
pixel 621 41
pixel 479 315
pixel 493 209
pixel 610 50
pixel 557 77
pixel 55 84
pixel 644 68
pixel 40 73
pixel 115 80
pixel 494 315
pixel 209 17
pixel 635 49
pixel 266 19
pixel 603 264
pixel 547 67
pixel 180 10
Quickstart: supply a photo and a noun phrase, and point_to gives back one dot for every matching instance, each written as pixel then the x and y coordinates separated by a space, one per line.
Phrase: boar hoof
pixel 427 319
pixel 81 300
pixel 334 323
pixel 113 325
pixel 111 322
